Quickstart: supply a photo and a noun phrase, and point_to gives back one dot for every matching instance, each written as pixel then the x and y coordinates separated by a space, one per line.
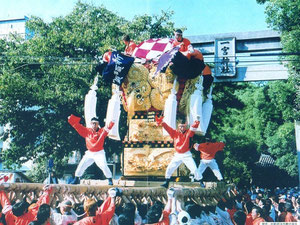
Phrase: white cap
pixel 184 218
pixel 66 203
pixel 282 197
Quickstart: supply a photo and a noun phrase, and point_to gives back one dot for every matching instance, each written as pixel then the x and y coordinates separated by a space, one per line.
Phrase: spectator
pixel 239 218
pixel 266 213
pixel 129 209
pixel 142 209
pixel 19 213
pixel 71 178
pixel 282 212
pixel 51 179
pixel 207 215
pixel 43 215
pixel 274 207
pixel 156 211
pixel 183 218
pixel 125 220
pixel 66 215
pixel 193 210
pixel 2 217
pixel 248 209
pixel 239 202
pixel 298 210
pixel 222 213
pixel 289 215
pixel 231 208
pixel 257 215
pixel 99 215
pixel 79 210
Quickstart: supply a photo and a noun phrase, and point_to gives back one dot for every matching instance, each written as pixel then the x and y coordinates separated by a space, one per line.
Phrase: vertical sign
pixel 225 60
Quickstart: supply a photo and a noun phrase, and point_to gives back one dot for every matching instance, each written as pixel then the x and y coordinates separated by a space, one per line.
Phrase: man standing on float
pixel 182 147
pixel 94 138
pixel 208 151
pixel 186 47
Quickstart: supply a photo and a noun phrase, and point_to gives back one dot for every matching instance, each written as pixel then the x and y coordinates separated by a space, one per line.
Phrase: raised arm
pixel 4 201
pixel 106 130
pixel 74 122
pixel 170 130
pixel 107 209
pixel 43 199
pixel 192 129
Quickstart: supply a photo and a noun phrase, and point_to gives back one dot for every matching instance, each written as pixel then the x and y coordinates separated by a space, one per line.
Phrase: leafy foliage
pixel 284 16
pixel 254 118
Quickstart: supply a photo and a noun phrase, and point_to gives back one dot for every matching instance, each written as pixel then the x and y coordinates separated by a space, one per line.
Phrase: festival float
pixel 157 81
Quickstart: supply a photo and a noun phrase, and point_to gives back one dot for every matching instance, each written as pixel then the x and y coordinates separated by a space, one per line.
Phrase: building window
pixel 11 26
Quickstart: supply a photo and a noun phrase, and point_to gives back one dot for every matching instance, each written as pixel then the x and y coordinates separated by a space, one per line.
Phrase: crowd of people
pixel 250 207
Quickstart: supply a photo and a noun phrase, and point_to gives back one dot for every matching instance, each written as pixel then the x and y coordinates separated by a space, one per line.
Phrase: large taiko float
pixel 157 80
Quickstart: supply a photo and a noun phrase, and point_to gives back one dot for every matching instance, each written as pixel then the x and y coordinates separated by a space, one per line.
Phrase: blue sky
pixel 198 16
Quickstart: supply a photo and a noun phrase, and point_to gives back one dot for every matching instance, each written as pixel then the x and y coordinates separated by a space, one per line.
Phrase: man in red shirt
pixel 189 63
pixel 248 209
pixel 239 218
pixel 130 45
pixel 185 44
pixel 257 215
pixel 158 216
pixel 183 154
pixel 106 56
pixel 208 151
pixel 289 212
pixel 94 138
pixel 99 215
pixel 19 214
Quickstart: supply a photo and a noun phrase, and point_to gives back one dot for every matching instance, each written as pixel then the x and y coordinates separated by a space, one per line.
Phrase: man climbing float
pixel 188 63
pixel 182 147
pixel 94 138
pixel 186 47
pixel 130 45
pixel 208 151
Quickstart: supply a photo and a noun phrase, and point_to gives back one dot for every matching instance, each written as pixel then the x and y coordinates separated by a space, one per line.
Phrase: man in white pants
pixel 208 151
pixel 94 138
pixel 182 147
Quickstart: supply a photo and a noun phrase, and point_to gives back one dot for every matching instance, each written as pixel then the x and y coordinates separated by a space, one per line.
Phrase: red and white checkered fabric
pixel 152 49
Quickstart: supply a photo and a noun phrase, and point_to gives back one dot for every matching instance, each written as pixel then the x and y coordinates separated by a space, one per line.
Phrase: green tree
pixel 44 79
pixel 284 16
pixel 254 118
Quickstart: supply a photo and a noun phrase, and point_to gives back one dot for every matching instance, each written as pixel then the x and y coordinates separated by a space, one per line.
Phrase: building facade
pixel 15 26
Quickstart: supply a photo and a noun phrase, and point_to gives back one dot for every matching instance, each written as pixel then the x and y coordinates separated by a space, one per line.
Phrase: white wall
pixel 14 26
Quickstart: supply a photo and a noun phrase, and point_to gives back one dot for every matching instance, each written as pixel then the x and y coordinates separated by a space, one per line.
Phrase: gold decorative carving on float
pixel 147 161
